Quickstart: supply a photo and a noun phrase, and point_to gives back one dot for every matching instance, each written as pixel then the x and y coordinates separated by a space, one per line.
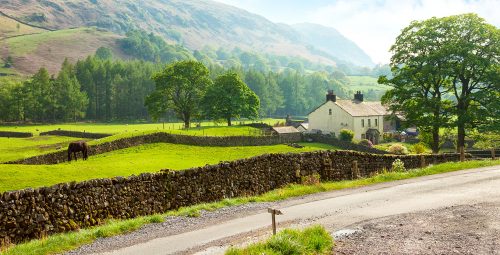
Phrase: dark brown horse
pixel 75 147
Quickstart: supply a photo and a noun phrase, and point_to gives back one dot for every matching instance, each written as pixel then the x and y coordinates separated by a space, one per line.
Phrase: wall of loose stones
pixel 61 156
pixel 34 213
pixel 75 134
pixel 15 134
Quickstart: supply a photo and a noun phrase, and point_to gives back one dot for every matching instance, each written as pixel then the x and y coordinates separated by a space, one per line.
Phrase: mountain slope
pixel 193 23
pixel 334 43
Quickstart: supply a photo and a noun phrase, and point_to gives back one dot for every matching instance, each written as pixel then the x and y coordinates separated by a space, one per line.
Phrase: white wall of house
pixel 362 124
pixel 322 119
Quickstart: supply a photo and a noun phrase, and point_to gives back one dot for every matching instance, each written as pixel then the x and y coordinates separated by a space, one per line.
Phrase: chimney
pixel 358 96
pixel 330 96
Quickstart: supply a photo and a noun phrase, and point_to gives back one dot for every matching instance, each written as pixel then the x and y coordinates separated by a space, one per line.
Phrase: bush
pixel 419 148
pixel 398 166
pixel 398 149
pixel 346 135
pixel 366 142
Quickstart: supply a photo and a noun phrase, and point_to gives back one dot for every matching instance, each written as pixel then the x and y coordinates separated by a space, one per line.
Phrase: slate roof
pixel 358 109
pixel 285 130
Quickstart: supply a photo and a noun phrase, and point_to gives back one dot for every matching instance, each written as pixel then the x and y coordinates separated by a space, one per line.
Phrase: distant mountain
pixel 193 23
pixel 331 41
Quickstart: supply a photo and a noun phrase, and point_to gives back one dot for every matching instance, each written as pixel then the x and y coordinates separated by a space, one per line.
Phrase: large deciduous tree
pixel 229 97
pixel 439 59
pixel 180 87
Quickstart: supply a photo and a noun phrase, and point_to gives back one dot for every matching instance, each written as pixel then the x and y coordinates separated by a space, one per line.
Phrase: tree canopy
pixel 446 72
pixel 180 87
pixel 229 97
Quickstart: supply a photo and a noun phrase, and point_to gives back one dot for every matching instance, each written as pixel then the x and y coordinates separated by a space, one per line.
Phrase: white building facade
pixel 366 119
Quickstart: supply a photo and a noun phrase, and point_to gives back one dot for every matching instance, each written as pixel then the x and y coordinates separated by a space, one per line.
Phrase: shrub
pixel 310 180
pixel 366 142
pixel 419 148
pixel 398 166
pixel 398 149
pixel 346 135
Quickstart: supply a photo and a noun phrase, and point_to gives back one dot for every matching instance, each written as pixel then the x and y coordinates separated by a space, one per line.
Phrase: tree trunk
pixel 435 139
pixel 229 121
pixel 461 111
pixel 186 119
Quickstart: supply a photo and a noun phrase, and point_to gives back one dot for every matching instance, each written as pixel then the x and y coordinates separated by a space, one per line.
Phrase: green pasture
pixel 134 160
pixel 19 148
pixel 207 128
pixel 365 83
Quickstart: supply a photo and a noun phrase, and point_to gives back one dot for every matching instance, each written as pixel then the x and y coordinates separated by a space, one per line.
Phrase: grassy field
pixel 365 84
pixel 18 148
pixel 60 243
pixel 207 128
pixel 134 160
pixel 313 240
pixel 10 28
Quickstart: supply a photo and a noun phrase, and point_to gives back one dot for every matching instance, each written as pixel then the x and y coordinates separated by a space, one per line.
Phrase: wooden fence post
pixel 273 213
pixel 493 157
pixel 422 161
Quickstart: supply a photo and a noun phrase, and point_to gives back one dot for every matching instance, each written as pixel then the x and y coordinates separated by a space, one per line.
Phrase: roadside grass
pixel 207 128
pixel 67 241
pixel 313 240
pixel 18 148
pixel 134 160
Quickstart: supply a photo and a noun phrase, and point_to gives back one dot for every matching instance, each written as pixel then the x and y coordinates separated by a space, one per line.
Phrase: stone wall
pixel 34 213
pixel 61 156
pixel 326 139
pixel 15 134
pixel 75 134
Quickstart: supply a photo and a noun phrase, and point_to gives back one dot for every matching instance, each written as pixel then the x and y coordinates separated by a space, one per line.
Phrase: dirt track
pixel 465 229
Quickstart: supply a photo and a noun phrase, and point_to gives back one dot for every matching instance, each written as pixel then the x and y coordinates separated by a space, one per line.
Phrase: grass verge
pixel 67 241
pixel 313 240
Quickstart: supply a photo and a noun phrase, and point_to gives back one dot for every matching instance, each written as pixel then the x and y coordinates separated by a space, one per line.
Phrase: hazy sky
pixel 372 24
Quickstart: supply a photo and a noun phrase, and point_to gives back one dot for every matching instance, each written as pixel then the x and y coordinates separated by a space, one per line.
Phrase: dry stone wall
pixel 75 134
pixel 34 213
pixel 15 134
pixel 61 156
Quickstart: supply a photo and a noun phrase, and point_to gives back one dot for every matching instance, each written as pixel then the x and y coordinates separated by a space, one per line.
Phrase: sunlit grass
pixel 134 160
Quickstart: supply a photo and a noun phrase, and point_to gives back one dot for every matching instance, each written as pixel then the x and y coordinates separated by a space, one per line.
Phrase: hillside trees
pixel 182 86
pixel 446 69
pixel 229 97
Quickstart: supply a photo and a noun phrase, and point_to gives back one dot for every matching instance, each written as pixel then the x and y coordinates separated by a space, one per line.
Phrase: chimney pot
pixel 330 96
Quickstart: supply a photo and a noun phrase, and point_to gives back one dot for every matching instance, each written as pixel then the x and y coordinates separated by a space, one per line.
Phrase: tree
pixel 104 53
pixel 440 58
pixel 229 97
pixel 180 87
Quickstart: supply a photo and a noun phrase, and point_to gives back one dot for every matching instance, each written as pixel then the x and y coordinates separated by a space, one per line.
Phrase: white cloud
pixel 373 25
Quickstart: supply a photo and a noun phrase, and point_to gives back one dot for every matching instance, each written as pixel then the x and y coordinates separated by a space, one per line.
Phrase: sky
pixel 372 24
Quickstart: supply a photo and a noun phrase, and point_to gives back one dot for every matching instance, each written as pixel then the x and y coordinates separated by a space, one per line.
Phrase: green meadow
pixel 206 128
pixel 134 160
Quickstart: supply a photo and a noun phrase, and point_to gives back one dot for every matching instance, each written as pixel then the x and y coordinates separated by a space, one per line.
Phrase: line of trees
pixel 446 74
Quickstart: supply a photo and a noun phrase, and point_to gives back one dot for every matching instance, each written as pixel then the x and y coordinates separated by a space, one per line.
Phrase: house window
pixel 376 122
pixel 363 123
pixel 369 122
pixel 330 112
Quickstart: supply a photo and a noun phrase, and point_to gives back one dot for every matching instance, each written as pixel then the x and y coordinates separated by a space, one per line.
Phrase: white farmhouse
pixel 366 119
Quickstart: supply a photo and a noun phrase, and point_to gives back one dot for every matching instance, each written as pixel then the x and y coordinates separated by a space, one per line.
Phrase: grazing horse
pixel 75 147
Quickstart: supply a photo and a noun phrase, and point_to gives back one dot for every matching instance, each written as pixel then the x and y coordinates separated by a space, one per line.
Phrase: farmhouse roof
pixel 358 108
pixel 285 130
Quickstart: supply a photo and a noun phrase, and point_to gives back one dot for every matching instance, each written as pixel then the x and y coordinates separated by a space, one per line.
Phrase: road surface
pixel 336 210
